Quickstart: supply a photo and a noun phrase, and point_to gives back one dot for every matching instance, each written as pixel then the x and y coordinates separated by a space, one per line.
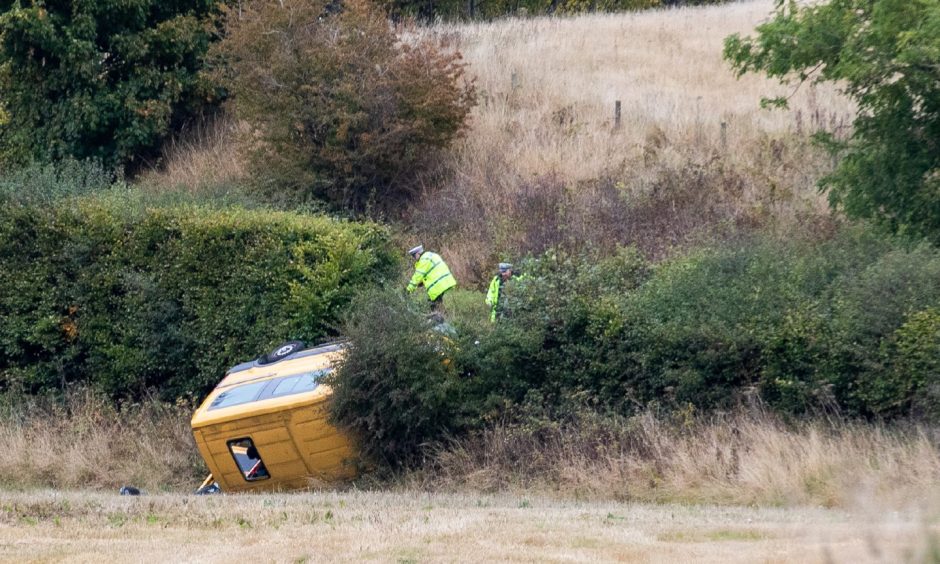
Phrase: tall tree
pixel 339 106
pixel 103 79
pixel 885 55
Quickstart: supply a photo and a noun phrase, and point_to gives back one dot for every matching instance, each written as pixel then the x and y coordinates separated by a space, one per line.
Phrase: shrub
pixel 397 387
pixel 128 298
pixel 340 107
pixel 105 80
pixel 916 372
pixel 44 184
pixel 404 385
pixel 799 324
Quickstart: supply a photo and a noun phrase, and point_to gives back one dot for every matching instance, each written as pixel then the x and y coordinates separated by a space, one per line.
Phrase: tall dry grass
pixel 734 460
pixel 86 441
pixel 549 85
pixel 693 156
pixel 204 157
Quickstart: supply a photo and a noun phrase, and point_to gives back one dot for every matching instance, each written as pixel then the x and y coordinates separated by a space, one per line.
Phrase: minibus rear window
pixel 248 460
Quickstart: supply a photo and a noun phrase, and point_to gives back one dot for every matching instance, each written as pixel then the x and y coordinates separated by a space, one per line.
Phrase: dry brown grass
pixel 203 157
pixel 551 496
pixel 737 460
pixel 413 526
pixel 665 66
pixel 87 442
pixel 669 176
pixel 748 459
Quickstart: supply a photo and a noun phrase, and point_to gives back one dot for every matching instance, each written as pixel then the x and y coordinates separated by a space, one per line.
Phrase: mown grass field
pixel 420 527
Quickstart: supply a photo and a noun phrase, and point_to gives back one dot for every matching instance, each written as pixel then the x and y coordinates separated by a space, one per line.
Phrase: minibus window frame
pixel 256 464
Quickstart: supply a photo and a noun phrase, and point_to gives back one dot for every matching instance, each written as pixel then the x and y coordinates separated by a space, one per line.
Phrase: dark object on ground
pixel 129 490
pixel 212 488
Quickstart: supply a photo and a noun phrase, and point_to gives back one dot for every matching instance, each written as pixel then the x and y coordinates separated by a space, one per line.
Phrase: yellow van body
pixel 264 426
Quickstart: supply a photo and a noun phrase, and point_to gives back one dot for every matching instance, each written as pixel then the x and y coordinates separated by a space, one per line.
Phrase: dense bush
pixel 847 325
pixel 913 382
pixel 105 79
pixel 131 297
pixel 399 386
pixel 404 384
pixel 340 107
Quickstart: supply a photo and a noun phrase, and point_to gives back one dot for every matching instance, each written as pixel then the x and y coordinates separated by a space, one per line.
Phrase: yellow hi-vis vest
pixel 432 271
pixel 492 295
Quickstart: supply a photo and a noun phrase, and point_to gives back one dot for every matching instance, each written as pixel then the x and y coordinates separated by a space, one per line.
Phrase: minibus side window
pixel 238 395
pixel 267 389
pixel 306 382
pixel 248 460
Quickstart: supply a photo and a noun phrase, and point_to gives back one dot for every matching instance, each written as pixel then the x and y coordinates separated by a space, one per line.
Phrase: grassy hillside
pixel 695 158
pixel 665 67
pixel 694 154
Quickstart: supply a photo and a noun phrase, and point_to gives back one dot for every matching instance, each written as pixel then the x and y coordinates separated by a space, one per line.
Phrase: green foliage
pixel 914 381
pixel 44 184
pixel 848 325
pixel 883 54
pixel 340 107
pixel 105 80
pixel 132 297
pixel 404 385
pixel 398 387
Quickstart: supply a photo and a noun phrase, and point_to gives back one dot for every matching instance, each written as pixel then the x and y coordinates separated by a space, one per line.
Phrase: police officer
pixel 431 271
pixel 495 297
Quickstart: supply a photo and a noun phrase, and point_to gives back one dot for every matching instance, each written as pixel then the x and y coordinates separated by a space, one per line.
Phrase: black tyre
pixel 282 352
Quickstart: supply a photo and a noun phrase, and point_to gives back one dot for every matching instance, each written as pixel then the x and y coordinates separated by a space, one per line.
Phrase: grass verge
pixel 86 442
pixel 417 526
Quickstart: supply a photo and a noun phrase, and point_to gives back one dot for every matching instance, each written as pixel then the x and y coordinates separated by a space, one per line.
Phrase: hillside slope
pixel 693 149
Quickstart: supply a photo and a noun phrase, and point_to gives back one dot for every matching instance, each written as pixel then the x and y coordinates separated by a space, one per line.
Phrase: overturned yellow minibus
pixel 264 426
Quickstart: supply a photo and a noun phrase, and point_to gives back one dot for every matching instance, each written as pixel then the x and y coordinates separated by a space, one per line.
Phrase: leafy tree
pixel 885 55
pixel 340 107
pixel 104 79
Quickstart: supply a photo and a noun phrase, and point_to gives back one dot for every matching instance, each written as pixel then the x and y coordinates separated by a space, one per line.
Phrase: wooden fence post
pixel 617 114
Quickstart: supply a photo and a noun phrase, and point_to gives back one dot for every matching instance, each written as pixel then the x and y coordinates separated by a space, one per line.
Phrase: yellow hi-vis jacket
pixel 492 295
pixel 432 271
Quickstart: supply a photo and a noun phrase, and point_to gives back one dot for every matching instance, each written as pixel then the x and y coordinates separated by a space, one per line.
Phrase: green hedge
pixel 128 297
pixel 849 325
